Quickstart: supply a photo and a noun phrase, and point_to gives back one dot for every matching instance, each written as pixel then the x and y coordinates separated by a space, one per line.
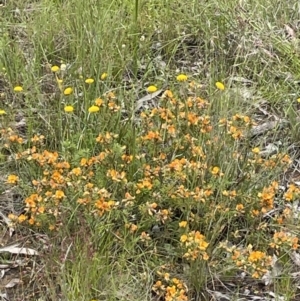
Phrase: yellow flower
pixel 256 256
pixel 215 170
pixel 93 109
pixel 18 89
pixel 183 224
pixel 31 221
pixel 13 217
pixel 89 81
pixel 133 228
pixel 151 89
pixel 220 86
pixel 68 91
pixel 51 227
pixel 183 238
pixel 239 207
pixel 255 150
pixel 22 218
pixel 12 179
pixel 103 76
pixel 182 78
pixel 76 171
pixel 69 109
pixel 55 68
pixel 59 194
pixel 298 99
pixel 2 112
pixel 99 102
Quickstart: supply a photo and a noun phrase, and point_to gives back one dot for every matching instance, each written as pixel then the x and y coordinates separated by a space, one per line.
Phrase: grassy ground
pixel 192 198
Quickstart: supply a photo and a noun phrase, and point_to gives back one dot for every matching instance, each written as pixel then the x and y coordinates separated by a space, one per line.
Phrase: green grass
pixel 169 203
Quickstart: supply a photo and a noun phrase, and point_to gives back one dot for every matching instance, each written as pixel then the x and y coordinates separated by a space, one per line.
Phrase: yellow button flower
pixel 2 112
pixel 68 91
pixel 69 109
pixel 18 89
pixel 89 81
pixel 220 86
pixel 182 78
pixel 103 76
pixel 151 89
pixel 55 68
pixel 93 109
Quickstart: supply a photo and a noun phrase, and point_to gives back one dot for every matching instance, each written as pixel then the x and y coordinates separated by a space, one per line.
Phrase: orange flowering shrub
pixel 184 178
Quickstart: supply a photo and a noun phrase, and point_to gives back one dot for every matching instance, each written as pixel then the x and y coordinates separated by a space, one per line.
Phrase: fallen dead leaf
pixel 15 249
pixel 147 98
pixel 290 31
pixel 295 258
pixel 13 282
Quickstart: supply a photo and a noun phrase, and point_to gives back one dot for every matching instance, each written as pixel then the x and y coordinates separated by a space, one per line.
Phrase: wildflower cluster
pixel 238 126
pixel 10 139
pixel 254 262
pixel 195 245
pixel 183 177
pixel 171 289
pixel 292 193
pixel 61 76
pixel 267 197
pixel 62 183
pixel 284 240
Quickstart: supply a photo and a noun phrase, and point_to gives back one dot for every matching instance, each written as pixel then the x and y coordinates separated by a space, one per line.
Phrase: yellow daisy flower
pixel 69 109
pixel 18 89
pixel 55 68
pixel 182 78
pixel 89 81
pixel 103 76
pixel 93 109
pixel 220 86
pixel 151 89
pixel 68 91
